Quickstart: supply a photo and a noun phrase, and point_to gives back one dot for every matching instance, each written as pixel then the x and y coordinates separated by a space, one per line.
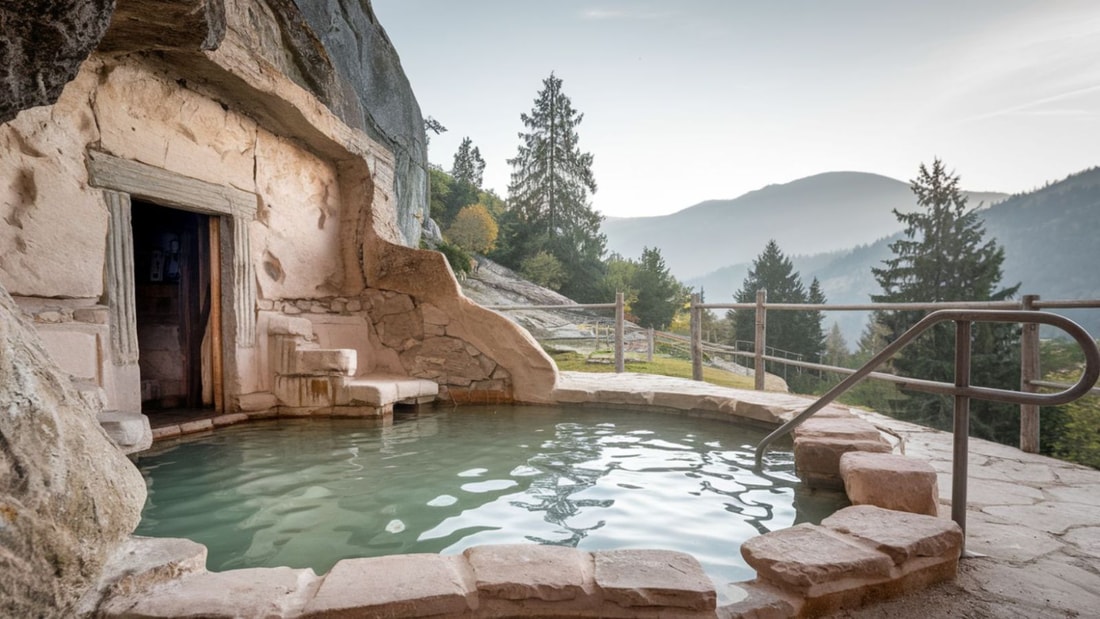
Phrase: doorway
pixel 175 297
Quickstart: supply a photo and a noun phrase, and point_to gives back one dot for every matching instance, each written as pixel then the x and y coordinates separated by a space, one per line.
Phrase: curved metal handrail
pixel 1083 385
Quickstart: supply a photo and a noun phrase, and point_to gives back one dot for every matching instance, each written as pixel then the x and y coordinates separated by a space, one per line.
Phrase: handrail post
pixel 649 346
pixel 760 339
pixel 620 360
pixel 962 429
pixel 1029 371
pixel 696 337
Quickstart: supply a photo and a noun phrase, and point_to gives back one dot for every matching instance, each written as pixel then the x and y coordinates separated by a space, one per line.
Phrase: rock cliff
pixel 337 50
pixel 43 44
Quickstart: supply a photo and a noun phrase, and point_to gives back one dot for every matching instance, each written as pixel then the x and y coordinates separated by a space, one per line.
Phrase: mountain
pixel 1051 238
pixel 825 212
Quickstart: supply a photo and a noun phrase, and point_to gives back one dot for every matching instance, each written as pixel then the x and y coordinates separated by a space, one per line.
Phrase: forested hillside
pixel 1051 238
pixel 825 212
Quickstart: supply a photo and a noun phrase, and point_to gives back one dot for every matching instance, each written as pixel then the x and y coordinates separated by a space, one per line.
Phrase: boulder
pixel 68 497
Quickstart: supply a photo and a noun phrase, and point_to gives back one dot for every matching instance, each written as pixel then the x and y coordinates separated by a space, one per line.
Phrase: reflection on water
pixel 307 493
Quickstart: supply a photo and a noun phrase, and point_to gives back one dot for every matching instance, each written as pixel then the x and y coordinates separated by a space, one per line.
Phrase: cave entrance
pixel 176 307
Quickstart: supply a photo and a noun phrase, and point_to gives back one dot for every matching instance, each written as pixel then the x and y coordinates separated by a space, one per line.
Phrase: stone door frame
pixel 122 180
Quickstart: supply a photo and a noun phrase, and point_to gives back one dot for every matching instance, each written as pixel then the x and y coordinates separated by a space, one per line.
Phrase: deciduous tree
pixel 473 229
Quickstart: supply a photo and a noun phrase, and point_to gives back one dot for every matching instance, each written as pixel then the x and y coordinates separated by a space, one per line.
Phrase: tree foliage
pixel 473 229
pixel 788 332
pixel 548 196
pixel 543 269
pixel 468 166
pixel 943 256
pixel 659 294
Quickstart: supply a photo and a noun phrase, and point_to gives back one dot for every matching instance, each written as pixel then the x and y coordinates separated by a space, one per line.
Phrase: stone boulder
pixel 68 497
pixel 44 43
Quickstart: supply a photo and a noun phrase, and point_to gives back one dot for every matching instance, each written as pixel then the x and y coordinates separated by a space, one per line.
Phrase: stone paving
pixel 1032 521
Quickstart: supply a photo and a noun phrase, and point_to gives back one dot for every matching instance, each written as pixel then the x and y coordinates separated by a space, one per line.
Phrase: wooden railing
pixel 1029 343
pixel 1030 373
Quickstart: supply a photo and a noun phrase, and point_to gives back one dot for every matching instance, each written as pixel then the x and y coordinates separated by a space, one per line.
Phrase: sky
pixel 695 100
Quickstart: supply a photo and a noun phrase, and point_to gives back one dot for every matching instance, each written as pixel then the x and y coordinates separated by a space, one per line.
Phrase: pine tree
pixel 548 194
pixel 944 257
pixel 814 346
pixel 788 332
pixel 468 166
pixel 659 294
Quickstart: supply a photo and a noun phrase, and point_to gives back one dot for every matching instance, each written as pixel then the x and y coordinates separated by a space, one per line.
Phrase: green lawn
pixel 664 366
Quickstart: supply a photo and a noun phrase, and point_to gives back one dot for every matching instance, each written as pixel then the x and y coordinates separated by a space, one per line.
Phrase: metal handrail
pixel 962 390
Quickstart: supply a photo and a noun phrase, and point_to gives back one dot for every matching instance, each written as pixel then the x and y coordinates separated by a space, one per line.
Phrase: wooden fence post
pixel 1029 371
pixel 760 340
pixel 620 360
pixel 696 337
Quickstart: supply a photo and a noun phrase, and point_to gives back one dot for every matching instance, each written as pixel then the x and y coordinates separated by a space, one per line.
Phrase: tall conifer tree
pixel 787 331
pixel 548 194
pixel 943 256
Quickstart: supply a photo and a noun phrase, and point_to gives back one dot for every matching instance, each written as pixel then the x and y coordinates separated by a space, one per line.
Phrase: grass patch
pixel 664 366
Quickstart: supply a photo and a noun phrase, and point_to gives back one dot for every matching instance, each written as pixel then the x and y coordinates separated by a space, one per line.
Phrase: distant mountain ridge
pixel 1051 238
pixel 820 213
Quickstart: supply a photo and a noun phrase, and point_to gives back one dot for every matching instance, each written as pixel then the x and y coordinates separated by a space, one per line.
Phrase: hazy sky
pixel 706 99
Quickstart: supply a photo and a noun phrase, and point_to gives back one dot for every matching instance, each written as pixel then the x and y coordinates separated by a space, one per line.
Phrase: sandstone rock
pixel 45 43
pixel 837 427
pixel 890 481
pixel 68 497
pixel 531 571
pixel 900 535
pixel 806 558
pixel 417 585
pixel 817 459
pixel 256 592
pixel 653 578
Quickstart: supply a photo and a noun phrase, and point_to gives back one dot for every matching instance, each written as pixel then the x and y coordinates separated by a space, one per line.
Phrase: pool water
pixel 309 492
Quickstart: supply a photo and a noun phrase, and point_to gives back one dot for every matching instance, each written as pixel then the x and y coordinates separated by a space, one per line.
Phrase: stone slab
pixel 342 361
pixel 130 431
pixel 417 585
pixel 890 481
pixel 817 459
pixel 531 571
pixel 851 428
pixel 258 401
pixel 900 535
pixel 806 558
pixel 257 592
pixel 666 578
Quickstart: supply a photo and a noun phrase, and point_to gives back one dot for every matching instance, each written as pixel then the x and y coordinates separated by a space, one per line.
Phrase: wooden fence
pixel 1030 373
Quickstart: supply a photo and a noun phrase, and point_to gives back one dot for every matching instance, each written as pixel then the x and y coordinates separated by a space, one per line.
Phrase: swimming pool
pixel 309 492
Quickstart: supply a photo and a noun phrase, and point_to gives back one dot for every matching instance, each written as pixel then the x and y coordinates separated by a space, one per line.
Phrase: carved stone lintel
pixel 120 279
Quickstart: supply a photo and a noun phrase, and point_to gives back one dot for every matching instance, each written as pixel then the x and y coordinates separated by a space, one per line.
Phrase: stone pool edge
pixel 861 554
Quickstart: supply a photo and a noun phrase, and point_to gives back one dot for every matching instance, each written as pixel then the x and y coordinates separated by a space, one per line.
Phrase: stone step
pixel 129 431
pixel 342 361
pixel 860 553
